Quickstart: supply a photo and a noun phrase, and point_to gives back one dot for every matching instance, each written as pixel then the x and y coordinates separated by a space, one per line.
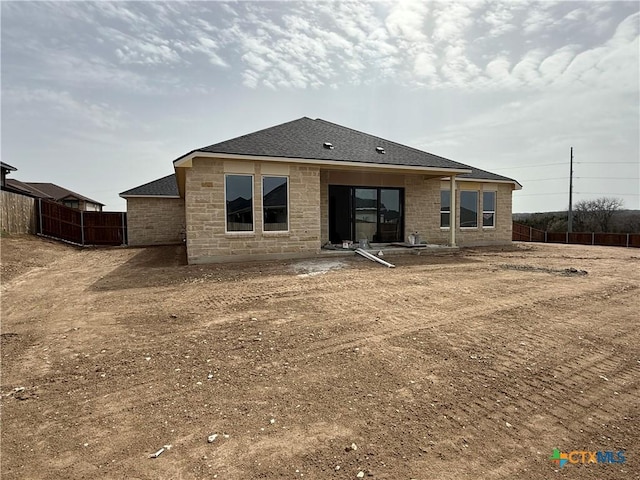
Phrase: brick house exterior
pixel 290 189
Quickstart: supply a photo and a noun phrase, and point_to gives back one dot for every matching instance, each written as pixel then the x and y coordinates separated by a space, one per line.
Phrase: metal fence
pixel 80 227
pixel 524 233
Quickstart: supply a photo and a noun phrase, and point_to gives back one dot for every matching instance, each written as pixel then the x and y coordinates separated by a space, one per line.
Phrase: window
pixel 488 209
pixel 445 208
pixel 275 204
pixel 71 203
pixel 239 202
pixel 468 209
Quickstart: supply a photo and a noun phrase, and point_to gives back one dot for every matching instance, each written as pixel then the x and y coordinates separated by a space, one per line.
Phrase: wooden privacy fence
pixel 523 233
pixel 80 227
pixel 17 213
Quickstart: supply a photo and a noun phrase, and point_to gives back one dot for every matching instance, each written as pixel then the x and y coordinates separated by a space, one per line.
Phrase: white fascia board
pixel 186 162
pixel 488 180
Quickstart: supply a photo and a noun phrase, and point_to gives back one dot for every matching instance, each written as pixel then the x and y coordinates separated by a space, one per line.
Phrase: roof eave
pixel 515 184
pixel 124 195
pixel 7 167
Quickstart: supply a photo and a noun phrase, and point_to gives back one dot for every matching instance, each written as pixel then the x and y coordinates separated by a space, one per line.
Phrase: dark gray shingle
pixel 163 187
pixel 305 138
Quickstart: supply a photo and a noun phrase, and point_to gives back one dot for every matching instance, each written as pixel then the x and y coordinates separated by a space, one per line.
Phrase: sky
pixel 100 97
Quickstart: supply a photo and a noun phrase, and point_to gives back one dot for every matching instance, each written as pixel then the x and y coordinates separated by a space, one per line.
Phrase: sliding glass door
pixel 390 215
pixel 371 213
pixel 366 214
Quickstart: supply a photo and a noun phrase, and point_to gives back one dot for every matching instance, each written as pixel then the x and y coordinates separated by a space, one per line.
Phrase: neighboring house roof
pixel 7 167
pixel 305 138
pixel 163 187
pixel 23 187
pixel 48 190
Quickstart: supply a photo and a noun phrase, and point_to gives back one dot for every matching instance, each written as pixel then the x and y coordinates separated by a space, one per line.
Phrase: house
pixel 51 191
pixel 287 190
pixel 5 169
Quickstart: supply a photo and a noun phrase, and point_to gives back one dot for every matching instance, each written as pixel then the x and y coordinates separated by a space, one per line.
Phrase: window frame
pixel 268 232
pixel 253 206
pixel 477 193
pixel 492 212
pixel 447 212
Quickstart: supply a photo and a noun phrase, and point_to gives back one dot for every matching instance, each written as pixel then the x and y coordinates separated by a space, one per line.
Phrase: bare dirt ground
pixel 467 365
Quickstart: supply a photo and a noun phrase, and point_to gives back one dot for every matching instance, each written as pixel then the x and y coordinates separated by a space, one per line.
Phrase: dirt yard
pixel 467 365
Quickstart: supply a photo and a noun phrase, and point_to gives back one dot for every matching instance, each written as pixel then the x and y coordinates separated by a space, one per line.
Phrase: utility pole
pixel 570 217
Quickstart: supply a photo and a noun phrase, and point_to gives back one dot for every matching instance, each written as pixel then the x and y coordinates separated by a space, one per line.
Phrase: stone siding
pixel 467 237
pixel 155 221
pixel 422 206
pixel 207 239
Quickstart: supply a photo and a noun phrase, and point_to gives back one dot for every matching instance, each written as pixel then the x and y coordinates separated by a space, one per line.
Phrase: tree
pixel 595 215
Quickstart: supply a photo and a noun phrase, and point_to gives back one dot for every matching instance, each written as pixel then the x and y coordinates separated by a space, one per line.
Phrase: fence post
pixel 567 237
pixel 124 238
pixel 593 238
pixel 82 226
pixel 40 215
pixel 627 240
pixel 531 234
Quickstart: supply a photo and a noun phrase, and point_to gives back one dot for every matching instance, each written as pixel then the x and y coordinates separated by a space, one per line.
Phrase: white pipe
pixel 158 453
pixel 374 258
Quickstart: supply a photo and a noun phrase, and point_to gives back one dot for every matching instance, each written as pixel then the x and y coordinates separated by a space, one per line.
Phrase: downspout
pixel 453 218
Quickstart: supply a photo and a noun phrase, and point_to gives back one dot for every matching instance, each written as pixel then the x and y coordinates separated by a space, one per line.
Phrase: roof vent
pixel 380 149
pixel 327 145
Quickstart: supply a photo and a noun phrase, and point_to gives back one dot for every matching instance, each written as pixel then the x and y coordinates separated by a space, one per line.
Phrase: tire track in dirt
pixel 398 324
pixel 522 403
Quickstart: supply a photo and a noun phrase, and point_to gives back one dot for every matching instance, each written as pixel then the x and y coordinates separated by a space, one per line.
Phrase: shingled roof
pixel 48 190
pixel 7 167
pixel 163 187
pixel 305 138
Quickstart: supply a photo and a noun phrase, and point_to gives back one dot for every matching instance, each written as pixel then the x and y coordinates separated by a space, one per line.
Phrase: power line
pixel 535 194
pixel 605 178
pixel 524 166
pixel 609 193
pixel 578 193
pixel 607 163
pixel 545 179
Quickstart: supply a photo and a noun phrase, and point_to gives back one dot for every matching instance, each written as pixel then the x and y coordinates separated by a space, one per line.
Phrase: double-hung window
pixel 468 209
pixel 275 203
pixel 488 209
pixel 445 208
pixel 238 191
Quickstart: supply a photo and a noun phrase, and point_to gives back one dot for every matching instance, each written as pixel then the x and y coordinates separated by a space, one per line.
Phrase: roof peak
pixel 307 138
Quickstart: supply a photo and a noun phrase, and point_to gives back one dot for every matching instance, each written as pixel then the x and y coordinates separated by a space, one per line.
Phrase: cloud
pixel 527 69
pixel 65 106
pixel 498 69
pixel 500 17
pixel 203 45
pixel 451 21
pixel 406 21
pixel 157 47
pixel 147 53
pixel 552 67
